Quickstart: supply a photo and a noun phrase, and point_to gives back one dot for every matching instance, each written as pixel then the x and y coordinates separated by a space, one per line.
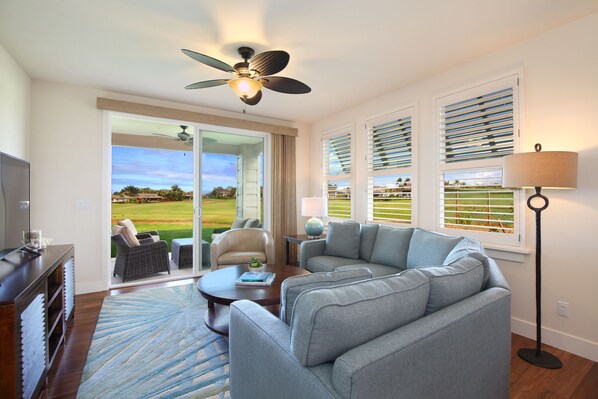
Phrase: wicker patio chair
pixel 133 262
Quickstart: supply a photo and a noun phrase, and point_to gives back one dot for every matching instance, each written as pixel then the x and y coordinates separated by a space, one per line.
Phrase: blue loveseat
pixel 429 318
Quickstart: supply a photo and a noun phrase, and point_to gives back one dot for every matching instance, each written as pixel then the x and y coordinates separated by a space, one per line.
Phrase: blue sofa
pixel 439 326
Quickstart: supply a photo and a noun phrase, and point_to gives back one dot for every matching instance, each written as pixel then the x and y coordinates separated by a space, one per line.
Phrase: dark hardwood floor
pixel 577 379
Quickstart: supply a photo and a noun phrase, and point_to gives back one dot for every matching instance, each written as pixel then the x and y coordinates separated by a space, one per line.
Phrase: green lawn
pixel 175 219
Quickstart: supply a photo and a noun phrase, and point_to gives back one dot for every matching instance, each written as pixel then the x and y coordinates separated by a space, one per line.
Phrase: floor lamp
pixel 549 169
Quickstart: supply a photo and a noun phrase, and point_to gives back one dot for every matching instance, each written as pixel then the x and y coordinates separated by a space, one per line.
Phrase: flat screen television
pixel 14 204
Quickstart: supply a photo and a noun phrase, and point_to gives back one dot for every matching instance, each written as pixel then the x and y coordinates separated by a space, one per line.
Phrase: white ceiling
pixel 348 51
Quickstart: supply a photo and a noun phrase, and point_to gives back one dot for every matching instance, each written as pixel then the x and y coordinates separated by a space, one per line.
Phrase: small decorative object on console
pixel 255 264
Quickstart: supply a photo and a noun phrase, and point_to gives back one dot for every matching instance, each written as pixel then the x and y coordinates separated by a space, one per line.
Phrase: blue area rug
pixel 154 344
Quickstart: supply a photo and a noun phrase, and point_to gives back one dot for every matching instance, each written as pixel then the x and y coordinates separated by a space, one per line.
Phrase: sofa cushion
pixel 294 285
pixel 428 248
pixel 451 284
pixel 367 238
pixel 327 322
pixel 329 263
pixel 239 223
pixel 470 247
pixel 377 269
pixel 392 246
pixel 342 239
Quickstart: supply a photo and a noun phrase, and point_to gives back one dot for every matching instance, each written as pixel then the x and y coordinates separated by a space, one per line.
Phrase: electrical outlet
pixel 562 308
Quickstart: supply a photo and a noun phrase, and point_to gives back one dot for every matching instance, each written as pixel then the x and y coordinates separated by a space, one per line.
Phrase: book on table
pixel 256 278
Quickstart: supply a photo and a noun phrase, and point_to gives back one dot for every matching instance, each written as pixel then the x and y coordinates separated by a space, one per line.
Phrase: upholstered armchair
pixel 238 246
pixel 238 223
pixel 135 261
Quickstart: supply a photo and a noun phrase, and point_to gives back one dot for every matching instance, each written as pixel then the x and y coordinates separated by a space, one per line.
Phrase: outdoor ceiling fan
pixel 251 75
pixel 182 136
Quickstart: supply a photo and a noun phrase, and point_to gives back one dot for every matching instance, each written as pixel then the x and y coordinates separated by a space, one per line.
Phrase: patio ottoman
pixel 182 252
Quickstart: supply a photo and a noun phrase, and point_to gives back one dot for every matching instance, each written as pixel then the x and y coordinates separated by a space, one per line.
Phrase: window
pixel 477 128
pixel 390 168
pixel 337 169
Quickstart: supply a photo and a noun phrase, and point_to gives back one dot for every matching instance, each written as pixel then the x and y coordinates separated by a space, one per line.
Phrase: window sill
pixel 503 252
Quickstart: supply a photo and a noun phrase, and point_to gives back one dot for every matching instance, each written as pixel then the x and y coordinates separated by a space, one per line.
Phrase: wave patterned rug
pixel 154 344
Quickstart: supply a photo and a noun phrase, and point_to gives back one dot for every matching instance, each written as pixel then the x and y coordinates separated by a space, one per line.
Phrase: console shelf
pixel 36 307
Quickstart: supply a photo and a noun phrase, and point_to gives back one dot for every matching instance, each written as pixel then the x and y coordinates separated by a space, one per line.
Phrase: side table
pixel 297 240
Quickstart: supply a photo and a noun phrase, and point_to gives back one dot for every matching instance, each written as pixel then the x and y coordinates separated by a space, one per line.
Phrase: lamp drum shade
pixel 314 207
pixel 545 169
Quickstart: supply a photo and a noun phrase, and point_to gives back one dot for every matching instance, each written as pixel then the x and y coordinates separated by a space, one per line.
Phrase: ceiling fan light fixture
pixel 245 87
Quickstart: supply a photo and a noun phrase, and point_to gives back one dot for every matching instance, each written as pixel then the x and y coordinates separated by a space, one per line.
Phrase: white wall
pixel 69 163
pixel 15 107
pixel 560 110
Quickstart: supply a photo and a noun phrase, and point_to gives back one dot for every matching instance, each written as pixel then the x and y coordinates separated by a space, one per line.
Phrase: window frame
pixel 411 170
pixel 490 239
pixel 326 178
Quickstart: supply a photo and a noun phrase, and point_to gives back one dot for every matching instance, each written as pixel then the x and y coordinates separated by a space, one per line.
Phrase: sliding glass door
pixel 189 183
pixel 233 181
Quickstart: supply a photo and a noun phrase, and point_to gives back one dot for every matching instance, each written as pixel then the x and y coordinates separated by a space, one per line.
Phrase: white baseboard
pixel 577 346
pixel 88 287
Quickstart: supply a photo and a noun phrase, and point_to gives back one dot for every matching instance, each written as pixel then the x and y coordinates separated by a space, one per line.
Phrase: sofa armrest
pixel 310 249
pixel 261 363
pixel 462 351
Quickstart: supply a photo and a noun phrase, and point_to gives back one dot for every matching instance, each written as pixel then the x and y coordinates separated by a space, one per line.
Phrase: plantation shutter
pixel 477 127
pixel 337 168
pixel 390 145
pixel 337 155
pixel 389 161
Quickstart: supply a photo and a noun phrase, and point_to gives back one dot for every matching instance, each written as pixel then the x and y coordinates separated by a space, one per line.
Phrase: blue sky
pixel 160 169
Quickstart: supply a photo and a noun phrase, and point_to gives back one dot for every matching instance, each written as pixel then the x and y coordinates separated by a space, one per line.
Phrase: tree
pixel 131 191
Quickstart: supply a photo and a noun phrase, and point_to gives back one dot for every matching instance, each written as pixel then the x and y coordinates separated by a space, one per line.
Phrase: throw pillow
pixel 239 223
pixel 342 239
pixel 128 224
pixel 130 237
pixel 116 229
pixel 451 284
pixel 367 239
pixel 428 248
pixel 294 285
pixel 391 247
pixel 470 247
pixel 327 322
pixel 252 223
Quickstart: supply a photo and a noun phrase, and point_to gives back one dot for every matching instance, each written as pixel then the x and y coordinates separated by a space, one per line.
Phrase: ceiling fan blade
pixel 285 85
pixel 253 100
pixel 207 83
pixel 269 62
pixel 206 59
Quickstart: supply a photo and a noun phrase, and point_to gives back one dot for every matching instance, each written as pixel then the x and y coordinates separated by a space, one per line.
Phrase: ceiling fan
pixel 182 136
pixel 251 75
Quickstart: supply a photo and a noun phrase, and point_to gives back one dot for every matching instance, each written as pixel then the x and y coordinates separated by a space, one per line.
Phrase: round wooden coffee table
pixel 219 288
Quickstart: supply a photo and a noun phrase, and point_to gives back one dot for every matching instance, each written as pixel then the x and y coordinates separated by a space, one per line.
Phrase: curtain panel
pixel 284 204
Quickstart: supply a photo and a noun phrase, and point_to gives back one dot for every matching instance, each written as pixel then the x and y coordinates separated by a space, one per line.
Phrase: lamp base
pixel 546 360
pixel 314 227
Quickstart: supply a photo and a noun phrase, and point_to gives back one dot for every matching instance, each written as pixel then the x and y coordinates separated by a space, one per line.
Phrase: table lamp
pixel 548 169
pixel 314 207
